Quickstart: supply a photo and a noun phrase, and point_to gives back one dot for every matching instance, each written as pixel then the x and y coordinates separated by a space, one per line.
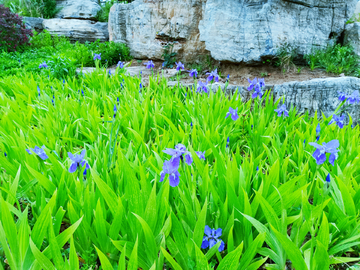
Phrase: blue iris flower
pixel 322 150
pixel 339 120
pixel 211 238
pixel 233 113
pixel 282 110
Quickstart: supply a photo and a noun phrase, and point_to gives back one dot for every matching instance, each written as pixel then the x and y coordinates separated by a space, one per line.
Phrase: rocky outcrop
pixel 352 36
pixel 77 30
pixel 34 23
pixel 240 31
pixel 78 9
pixel 319 95
pixel 147 26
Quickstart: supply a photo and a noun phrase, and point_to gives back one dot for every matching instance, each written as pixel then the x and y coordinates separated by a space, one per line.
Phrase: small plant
pixel 334 59
pixel 264 74
pixel 13 33
pixel 103 13
pixel 169 55
pixel 285 57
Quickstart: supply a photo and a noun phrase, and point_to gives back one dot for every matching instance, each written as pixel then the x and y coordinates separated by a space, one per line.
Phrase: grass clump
pixel 335 59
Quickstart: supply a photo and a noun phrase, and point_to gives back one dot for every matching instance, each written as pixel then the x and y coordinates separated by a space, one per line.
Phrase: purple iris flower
pixel 77 161
pixel 211 238
pixel 227 142
pixel 193 73
pixel 115 110
pixel 257 168
pixel 228 77
pixel 38 89
pixel 38 151
pixel 120 64
pixel 282 110
pixel 212 76
pixel 43 65
pixel 233 113
pixel 339 120
pixel 318 129
pixel 109 72
pixel 179 152
pixel 261 83
pixel 97 56
pixel 252 85
pixel 321 150
pixel 118 100
pixel 202 86
pixel 171 167
pixel 149 64
pixel 354 97
pixel 179 66
pixel 328 178
pixel 257 92
pixel 200 154
pixel 5 154
pixel 342 96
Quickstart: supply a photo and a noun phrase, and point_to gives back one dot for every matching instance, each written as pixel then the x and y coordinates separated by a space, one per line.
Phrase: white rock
pixel 352 36
pixel 78 9
pixel 77 30
pixel 231 30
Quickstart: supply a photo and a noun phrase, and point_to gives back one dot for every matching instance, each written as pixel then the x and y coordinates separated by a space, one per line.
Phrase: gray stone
pixel 77 30
pixel 78 9
pixel 252 30
pixel 352 36
pixel 34 23
pixel 147 26
pixel 240 31
pixel 319 95
pixel 314 95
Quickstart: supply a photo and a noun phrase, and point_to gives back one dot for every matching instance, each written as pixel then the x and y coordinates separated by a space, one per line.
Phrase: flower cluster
pixel 233 113
pixel 322 150
pixel 353 98
pixel 77 161
pixel 40 152
pixel 257 85
pixel 211 238
pixel 339 120
pixel 171 166
pixel 149 64
pixel 282 110
pixel 43 65
pixel 97 56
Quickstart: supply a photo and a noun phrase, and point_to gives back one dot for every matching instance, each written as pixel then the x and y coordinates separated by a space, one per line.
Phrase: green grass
pixel 283 216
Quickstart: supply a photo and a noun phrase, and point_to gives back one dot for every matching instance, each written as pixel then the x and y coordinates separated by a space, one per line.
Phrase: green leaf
pixel 41 258
pixel 133 261
pixel 200 226
pixel 173 263
pixel 231 261
pixel 105 264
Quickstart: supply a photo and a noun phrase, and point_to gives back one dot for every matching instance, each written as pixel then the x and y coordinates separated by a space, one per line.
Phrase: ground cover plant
pixel 102 171
pixel 62 56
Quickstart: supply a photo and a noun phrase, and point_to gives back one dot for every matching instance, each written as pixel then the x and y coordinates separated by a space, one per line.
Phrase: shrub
pixel 13 33
pixel 335 59
pixel 33 8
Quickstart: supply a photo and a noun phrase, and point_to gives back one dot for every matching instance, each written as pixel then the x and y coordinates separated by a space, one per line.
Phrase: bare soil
pixel 240 73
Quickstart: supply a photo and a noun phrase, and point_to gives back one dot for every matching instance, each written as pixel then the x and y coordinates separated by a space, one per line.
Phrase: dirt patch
pixel 239 73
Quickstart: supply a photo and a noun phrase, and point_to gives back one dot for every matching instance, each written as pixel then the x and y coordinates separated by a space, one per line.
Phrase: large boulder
pixel 77 30
pixel 231 30
pixel 147 26
pixel 251 30
pixel 78 9
pixel 319 95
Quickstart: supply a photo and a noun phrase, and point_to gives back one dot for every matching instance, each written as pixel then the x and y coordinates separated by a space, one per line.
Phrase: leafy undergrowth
pixel 259 184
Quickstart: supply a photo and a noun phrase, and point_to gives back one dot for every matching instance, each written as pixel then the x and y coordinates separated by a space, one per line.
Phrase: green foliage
pixel 282 216
pixel 335 59
pixel 103 13
pixel 285 57
pixel 33 8
pixel 169 55
pixel 61 56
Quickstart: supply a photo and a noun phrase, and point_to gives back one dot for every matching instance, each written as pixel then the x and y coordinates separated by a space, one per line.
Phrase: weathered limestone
pixel 246 31
pixel 78 9
pixel 34 23
pixel 146 26
pixel 352 36
pixel 78 30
